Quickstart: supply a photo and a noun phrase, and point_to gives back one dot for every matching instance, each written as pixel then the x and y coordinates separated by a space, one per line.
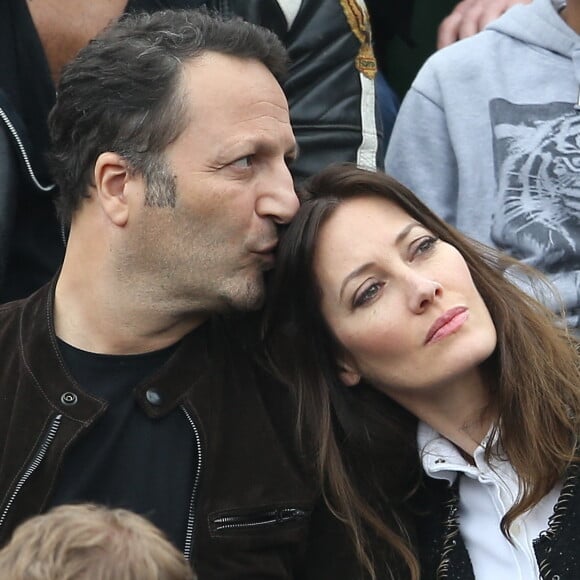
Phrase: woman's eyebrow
pixel 356 272
pixel 406 230
pixel 368 265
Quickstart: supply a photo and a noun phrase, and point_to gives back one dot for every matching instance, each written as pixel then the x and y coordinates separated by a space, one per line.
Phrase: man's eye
pixel 243 162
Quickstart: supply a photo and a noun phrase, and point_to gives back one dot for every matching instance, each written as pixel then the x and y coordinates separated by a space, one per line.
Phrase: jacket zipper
pixel 22 150
pixel 46 442
pixel 255 520
pixel 49 438
pixel 190 529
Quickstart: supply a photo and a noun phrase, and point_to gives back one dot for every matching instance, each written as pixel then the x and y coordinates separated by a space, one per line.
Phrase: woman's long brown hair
pixel 365 443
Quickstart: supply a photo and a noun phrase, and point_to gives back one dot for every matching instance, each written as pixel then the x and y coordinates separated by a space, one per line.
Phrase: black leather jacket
pixel 248 470
pixel 30 243
pixel 332 109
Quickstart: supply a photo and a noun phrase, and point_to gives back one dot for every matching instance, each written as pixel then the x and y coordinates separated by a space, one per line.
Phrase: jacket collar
pixel 42 359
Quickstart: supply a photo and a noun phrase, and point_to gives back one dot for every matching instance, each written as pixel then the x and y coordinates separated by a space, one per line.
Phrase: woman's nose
pixel 423 291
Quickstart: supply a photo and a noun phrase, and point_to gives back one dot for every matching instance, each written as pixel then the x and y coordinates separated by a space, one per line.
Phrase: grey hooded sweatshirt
pixel 489 137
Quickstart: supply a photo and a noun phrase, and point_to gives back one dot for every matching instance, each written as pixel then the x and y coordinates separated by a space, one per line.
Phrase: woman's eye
pixel 367 294
pixel 424 245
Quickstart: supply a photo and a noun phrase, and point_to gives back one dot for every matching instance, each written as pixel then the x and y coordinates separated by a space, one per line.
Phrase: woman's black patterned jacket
pixel 443 552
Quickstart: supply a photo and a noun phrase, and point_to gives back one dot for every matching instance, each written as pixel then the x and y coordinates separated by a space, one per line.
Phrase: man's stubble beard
pixel 247 298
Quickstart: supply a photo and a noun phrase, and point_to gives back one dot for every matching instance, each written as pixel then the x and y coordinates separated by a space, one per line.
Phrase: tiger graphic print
pixel 537 210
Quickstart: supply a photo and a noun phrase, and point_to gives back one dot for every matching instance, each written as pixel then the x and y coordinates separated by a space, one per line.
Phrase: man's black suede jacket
pixel 256 509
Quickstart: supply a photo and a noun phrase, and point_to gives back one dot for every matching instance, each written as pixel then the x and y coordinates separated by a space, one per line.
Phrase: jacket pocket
pixel 233 522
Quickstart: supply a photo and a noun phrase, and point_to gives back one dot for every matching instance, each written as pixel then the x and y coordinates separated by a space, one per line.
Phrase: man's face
pixel 233 186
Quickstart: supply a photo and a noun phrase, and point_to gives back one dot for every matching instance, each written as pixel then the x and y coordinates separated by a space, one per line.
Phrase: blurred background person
pixel 488 137
pixel 91 542
pixel 407 32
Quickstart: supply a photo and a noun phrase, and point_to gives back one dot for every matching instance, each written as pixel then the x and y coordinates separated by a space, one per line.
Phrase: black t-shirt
pixel 128 459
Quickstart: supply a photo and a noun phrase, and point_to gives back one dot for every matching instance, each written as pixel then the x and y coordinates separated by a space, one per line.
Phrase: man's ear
pixel 348 374
pixel 111 179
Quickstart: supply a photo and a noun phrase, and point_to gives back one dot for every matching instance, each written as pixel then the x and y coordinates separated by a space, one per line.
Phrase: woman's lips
pixel 448 323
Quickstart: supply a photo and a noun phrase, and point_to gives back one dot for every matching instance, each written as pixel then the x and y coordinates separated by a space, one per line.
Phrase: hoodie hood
pixel 539 24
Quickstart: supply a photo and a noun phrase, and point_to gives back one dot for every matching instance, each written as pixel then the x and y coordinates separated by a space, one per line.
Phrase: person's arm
pixel 471 16
pixel 420 154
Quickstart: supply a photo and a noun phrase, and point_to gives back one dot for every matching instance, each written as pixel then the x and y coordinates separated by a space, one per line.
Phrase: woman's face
pixel 401 303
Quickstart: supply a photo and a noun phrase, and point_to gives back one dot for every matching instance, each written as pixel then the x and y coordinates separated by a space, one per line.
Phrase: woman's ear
pixel 348 374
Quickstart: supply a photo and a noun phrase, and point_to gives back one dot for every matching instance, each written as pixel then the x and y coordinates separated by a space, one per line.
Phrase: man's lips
pixel 267 255
pixel 269 249
pixel 448 323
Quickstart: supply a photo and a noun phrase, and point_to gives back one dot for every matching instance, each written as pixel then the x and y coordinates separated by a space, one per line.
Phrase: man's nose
pixel 278 200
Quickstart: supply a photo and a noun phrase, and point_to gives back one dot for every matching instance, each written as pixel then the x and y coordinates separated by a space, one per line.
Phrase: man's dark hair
pixel 122 94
